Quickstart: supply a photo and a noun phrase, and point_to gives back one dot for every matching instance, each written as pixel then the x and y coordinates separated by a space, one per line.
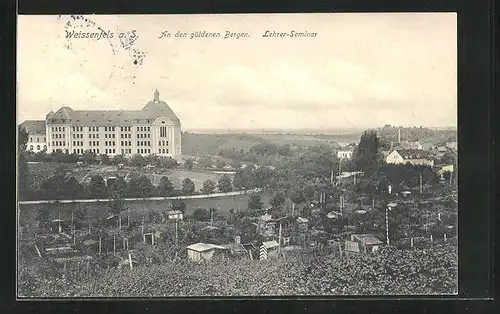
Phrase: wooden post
pixel 120 221
pixel 411 242
pixel 89 226
pixel 130 260
pixel 142 226
pixel 445 237
pixel 279 239
pixel 431 237
pixel 293 209
pixel 176 235
pixel 100 244
pixel 128 217
pixel 373 203
pixel 114 245
pixel 74 235
pixel 38 251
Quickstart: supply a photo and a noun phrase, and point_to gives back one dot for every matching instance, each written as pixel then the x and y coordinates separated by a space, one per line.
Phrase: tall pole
pixel 128 218
pixel 373 202
pixel 114 245
pixel 293 209
pixel 176 235
pixel 331 178
pixel 211 217
pixel 89 226
pixel 100 244
pixel 420 183
pixel 279 239
pixel 142 225
pixel 387 224
pixel 354 179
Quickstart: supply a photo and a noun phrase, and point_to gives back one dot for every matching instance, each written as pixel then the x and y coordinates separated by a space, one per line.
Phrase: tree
pixel 201 214
pixel 189 164
pixel 187 186
pixel 178 204
pixel 208 187
pixel 225 185
pixel 74 189
pixel 140 187
pixel 138 161
pixel 54 186
pixel 255 202
pixel 97 188
pixel 24 186
pixel 165 187
pixel 449 158
pixel 278 200
pixel 366 156
pixel 119 188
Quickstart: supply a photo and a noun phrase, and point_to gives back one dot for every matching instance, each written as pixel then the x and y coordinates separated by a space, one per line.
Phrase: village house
pixel 37 140
pixel 368 243
pixel 202 251
pixel 174 214
pixel 408 157
pixel 344 154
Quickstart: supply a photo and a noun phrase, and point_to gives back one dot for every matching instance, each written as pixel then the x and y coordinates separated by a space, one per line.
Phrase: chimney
pixel 156 96
pixel 399 135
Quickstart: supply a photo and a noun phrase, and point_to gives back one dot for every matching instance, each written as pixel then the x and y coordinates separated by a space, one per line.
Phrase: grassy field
pixel 210 144
pixel 41 171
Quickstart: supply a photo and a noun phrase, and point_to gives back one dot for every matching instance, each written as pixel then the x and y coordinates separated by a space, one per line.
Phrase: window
pixel 167 150
pixel 113 150
pixel 148 128
pixel 38 147
pixel 31 147
pixel 159 151
pixel 98 150
pixel 52 129
pixel 44 147
pixel 114 143
pixel 129 143
pixel 138 151
pixel 137 131
pixel 166 143
pixel 138 143
pixel 64 135
pixel 90 143
pixel 163 131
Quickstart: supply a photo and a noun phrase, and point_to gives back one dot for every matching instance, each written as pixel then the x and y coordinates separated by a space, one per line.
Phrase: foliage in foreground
pixel 402 272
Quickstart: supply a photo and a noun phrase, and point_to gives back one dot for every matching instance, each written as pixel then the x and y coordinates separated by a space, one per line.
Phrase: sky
pixel 360 71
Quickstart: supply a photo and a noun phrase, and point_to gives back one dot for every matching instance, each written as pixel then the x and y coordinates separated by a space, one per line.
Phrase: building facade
pixel 37 140
pixel 408 158
pixel 344 154
pixel 155 129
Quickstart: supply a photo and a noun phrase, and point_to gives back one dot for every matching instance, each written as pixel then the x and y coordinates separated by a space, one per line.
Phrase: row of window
pixel 143 143
pixel 163 151
pixel 125 135
pixel 77 143
pixel 143 151
pixel 126 151
pixel 93 135
pixel 110 151
pixel 93 143
pixel 37 139
pixel 106 128
pixel 38 147
pixel 126 143
pixel 62 135
pixel 58 143
pixel 146 135
pixel 163 143
pixel 112 135
pixel 109 143
pixel 77 135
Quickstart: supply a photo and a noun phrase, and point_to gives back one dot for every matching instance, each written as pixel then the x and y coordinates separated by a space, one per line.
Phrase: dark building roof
pixel 152 110
pixel 413 154
pixel 34 126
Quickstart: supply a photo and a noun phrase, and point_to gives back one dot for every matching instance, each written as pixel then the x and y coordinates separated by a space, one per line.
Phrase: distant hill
pixel 435 136
pixel 197 144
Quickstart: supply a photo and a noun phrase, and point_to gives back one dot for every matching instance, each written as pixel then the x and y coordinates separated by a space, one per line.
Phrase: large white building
pixel 37 140
pixel 155 129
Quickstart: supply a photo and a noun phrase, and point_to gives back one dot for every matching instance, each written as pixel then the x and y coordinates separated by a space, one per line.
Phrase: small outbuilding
pixel 175 215
pixel 202 251
pixel 368 243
